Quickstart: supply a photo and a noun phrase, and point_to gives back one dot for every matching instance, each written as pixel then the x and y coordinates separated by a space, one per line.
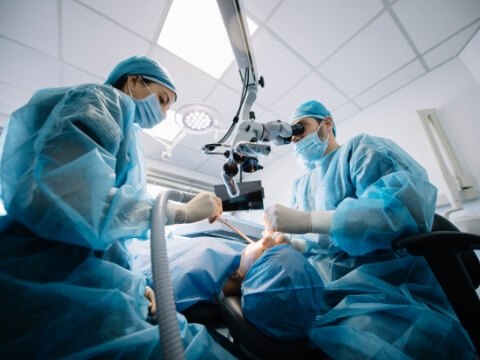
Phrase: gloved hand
pixel 277 131
pixel 150 295
pixel 283 219
pixel 204 205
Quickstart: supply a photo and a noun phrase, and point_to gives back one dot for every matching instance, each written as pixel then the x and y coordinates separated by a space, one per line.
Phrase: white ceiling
pixel 347 53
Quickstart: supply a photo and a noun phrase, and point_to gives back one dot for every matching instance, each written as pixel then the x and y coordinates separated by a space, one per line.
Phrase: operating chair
pixel 449 253
pixel 451 256
pixel 247 338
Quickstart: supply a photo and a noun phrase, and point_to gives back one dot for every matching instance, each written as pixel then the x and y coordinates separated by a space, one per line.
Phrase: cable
pixel 242 99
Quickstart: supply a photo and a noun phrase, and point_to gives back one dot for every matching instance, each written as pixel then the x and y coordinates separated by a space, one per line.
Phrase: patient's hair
pixel 282 293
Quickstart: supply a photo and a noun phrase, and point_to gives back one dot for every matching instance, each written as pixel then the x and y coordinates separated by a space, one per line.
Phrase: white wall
pixel 471 56
pixel 451 89
pixel 277 179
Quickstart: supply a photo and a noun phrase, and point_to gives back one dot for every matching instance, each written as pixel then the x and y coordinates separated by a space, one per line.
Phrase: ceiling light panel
pixel 194 31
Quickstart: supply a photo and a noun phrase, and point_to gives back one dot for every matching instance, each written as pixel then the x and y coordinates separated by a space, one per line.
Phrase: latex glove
pixel 204 205
pixel 283 219
pixel 150 295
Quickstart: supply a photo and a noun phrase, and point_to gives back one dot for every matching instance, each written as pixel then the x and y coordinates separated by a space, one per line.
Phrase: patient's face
pixel 249 255
pixel 253 251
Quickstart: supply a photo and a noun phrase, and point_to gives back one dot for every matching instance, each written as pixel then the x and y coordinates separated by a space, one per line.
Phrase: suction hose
pixel 172 347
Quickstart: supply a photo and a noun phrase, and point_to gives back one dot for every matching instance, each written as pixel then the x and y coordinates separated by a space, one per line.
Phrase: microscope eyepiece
pixel 297 129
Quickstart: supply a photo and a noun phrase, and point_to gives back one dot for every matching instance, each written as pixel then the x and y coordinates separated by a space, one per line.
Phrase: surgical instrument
pixel 225 222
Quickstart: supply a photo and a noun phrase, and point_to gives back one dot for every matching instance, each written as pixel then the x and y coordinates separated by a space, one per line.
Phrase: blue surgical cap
pixel 281 293
pixel 313 109
pixel 142 65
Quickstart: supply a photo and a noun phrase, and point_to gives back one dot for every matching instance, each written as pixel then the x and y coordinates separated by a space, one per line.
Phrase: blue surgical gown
pixel 73 185
pixel 199 266
pixel 376 304
pixel 71 168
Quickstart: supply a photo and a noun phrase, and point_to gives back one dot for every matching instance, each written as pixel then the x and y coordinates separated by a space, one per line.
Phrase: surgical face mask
pixel 311 148
pixel 148 111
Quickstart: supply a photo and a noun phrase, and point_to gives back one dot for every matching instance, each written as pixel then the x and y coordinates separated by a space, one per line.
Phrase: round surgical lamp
pixel 197 118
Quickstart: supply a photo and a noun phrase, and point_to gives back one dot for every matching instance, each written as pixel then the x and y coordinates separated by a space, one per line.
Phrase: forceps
pixel 225 222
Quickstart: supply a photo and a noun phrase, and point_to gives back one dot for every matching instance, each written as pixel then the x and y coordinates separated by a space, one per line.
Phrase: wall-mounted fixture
pixel 460 186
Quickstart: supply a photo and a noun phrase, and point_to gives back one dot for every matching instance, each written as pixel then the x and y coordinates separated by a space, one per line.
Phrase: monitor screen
pixel 251 196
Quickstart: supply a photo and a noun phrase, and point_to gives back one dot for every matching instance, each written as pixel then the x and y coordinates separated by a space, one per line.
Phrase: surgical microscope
pixel 250 137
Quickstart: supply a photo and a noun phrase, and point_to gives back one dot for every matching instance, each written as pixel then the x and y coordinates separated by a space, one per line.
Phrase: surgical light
pixel 197 118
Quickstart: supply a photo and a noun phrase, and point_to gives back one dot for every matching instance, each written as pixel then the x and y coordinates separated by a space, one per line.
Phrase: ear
pixel 329 123
pixel 132 80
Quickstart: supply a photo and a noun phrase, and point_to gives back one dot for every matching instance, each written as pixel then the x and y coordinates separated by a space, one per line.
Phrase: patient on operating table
pixel 250 254
pixel 281 292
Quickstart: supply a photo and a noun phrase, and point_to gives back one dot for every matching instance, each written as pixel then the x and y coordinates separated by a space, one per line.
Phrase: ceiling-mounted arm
pixel 238 35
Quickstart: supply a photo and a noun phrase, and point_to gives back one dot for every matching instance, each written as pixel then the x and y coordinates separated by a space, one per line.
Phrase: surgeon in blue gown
pixel 352 201
pixel 74 188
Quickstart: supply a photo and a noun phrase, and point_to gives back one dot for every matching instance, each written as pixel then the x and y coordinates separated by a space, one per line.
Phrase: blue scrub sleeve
pixel 394 199
pixel 71 169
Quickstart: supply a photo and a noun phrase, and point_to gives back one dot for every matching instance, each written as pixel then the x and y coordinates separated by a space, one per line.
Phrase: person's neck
pixel 332 146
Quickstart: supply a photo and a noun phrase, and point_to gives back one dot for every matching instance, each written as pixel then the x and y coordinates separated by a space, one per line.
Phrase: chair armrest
pixel 436 241
pixel 440 247
pixel 451 257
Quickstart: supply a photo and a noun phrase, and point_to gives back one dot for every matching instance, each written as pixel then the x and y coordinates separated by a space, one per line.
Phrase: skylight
pixel 167 129
pixel 194 30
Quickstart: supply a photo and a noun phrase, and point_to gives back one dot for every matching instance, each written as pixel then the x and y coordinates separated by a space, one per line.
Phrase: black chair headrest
pixel 252 339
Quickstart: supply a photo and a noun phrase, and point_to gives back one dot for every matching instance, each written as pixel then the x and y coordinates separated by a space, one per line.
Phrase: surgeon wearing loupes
pixel 350 203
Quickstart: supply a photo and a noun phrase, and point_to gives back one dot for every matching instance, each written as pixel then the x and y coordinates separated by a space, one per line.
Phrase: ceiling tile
pixel 450 48
pixel 344 112
pixel 264 115
pixel 312 87
pixel 260 9
pixel 428 22
pixel 33 23
pixel 307 26
pixel 470 55
pixel 12 98
pixel 197 141
pixel 141 18
pixel 231 77
pixel 187 158
pixel 152 147
pixel 376 52
pixel 280 68
pixel 27 69
pixel 394 82
pixel 74 76
pixel 212 166
pixel 192 84
pixel 112 43
pixel 226 102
